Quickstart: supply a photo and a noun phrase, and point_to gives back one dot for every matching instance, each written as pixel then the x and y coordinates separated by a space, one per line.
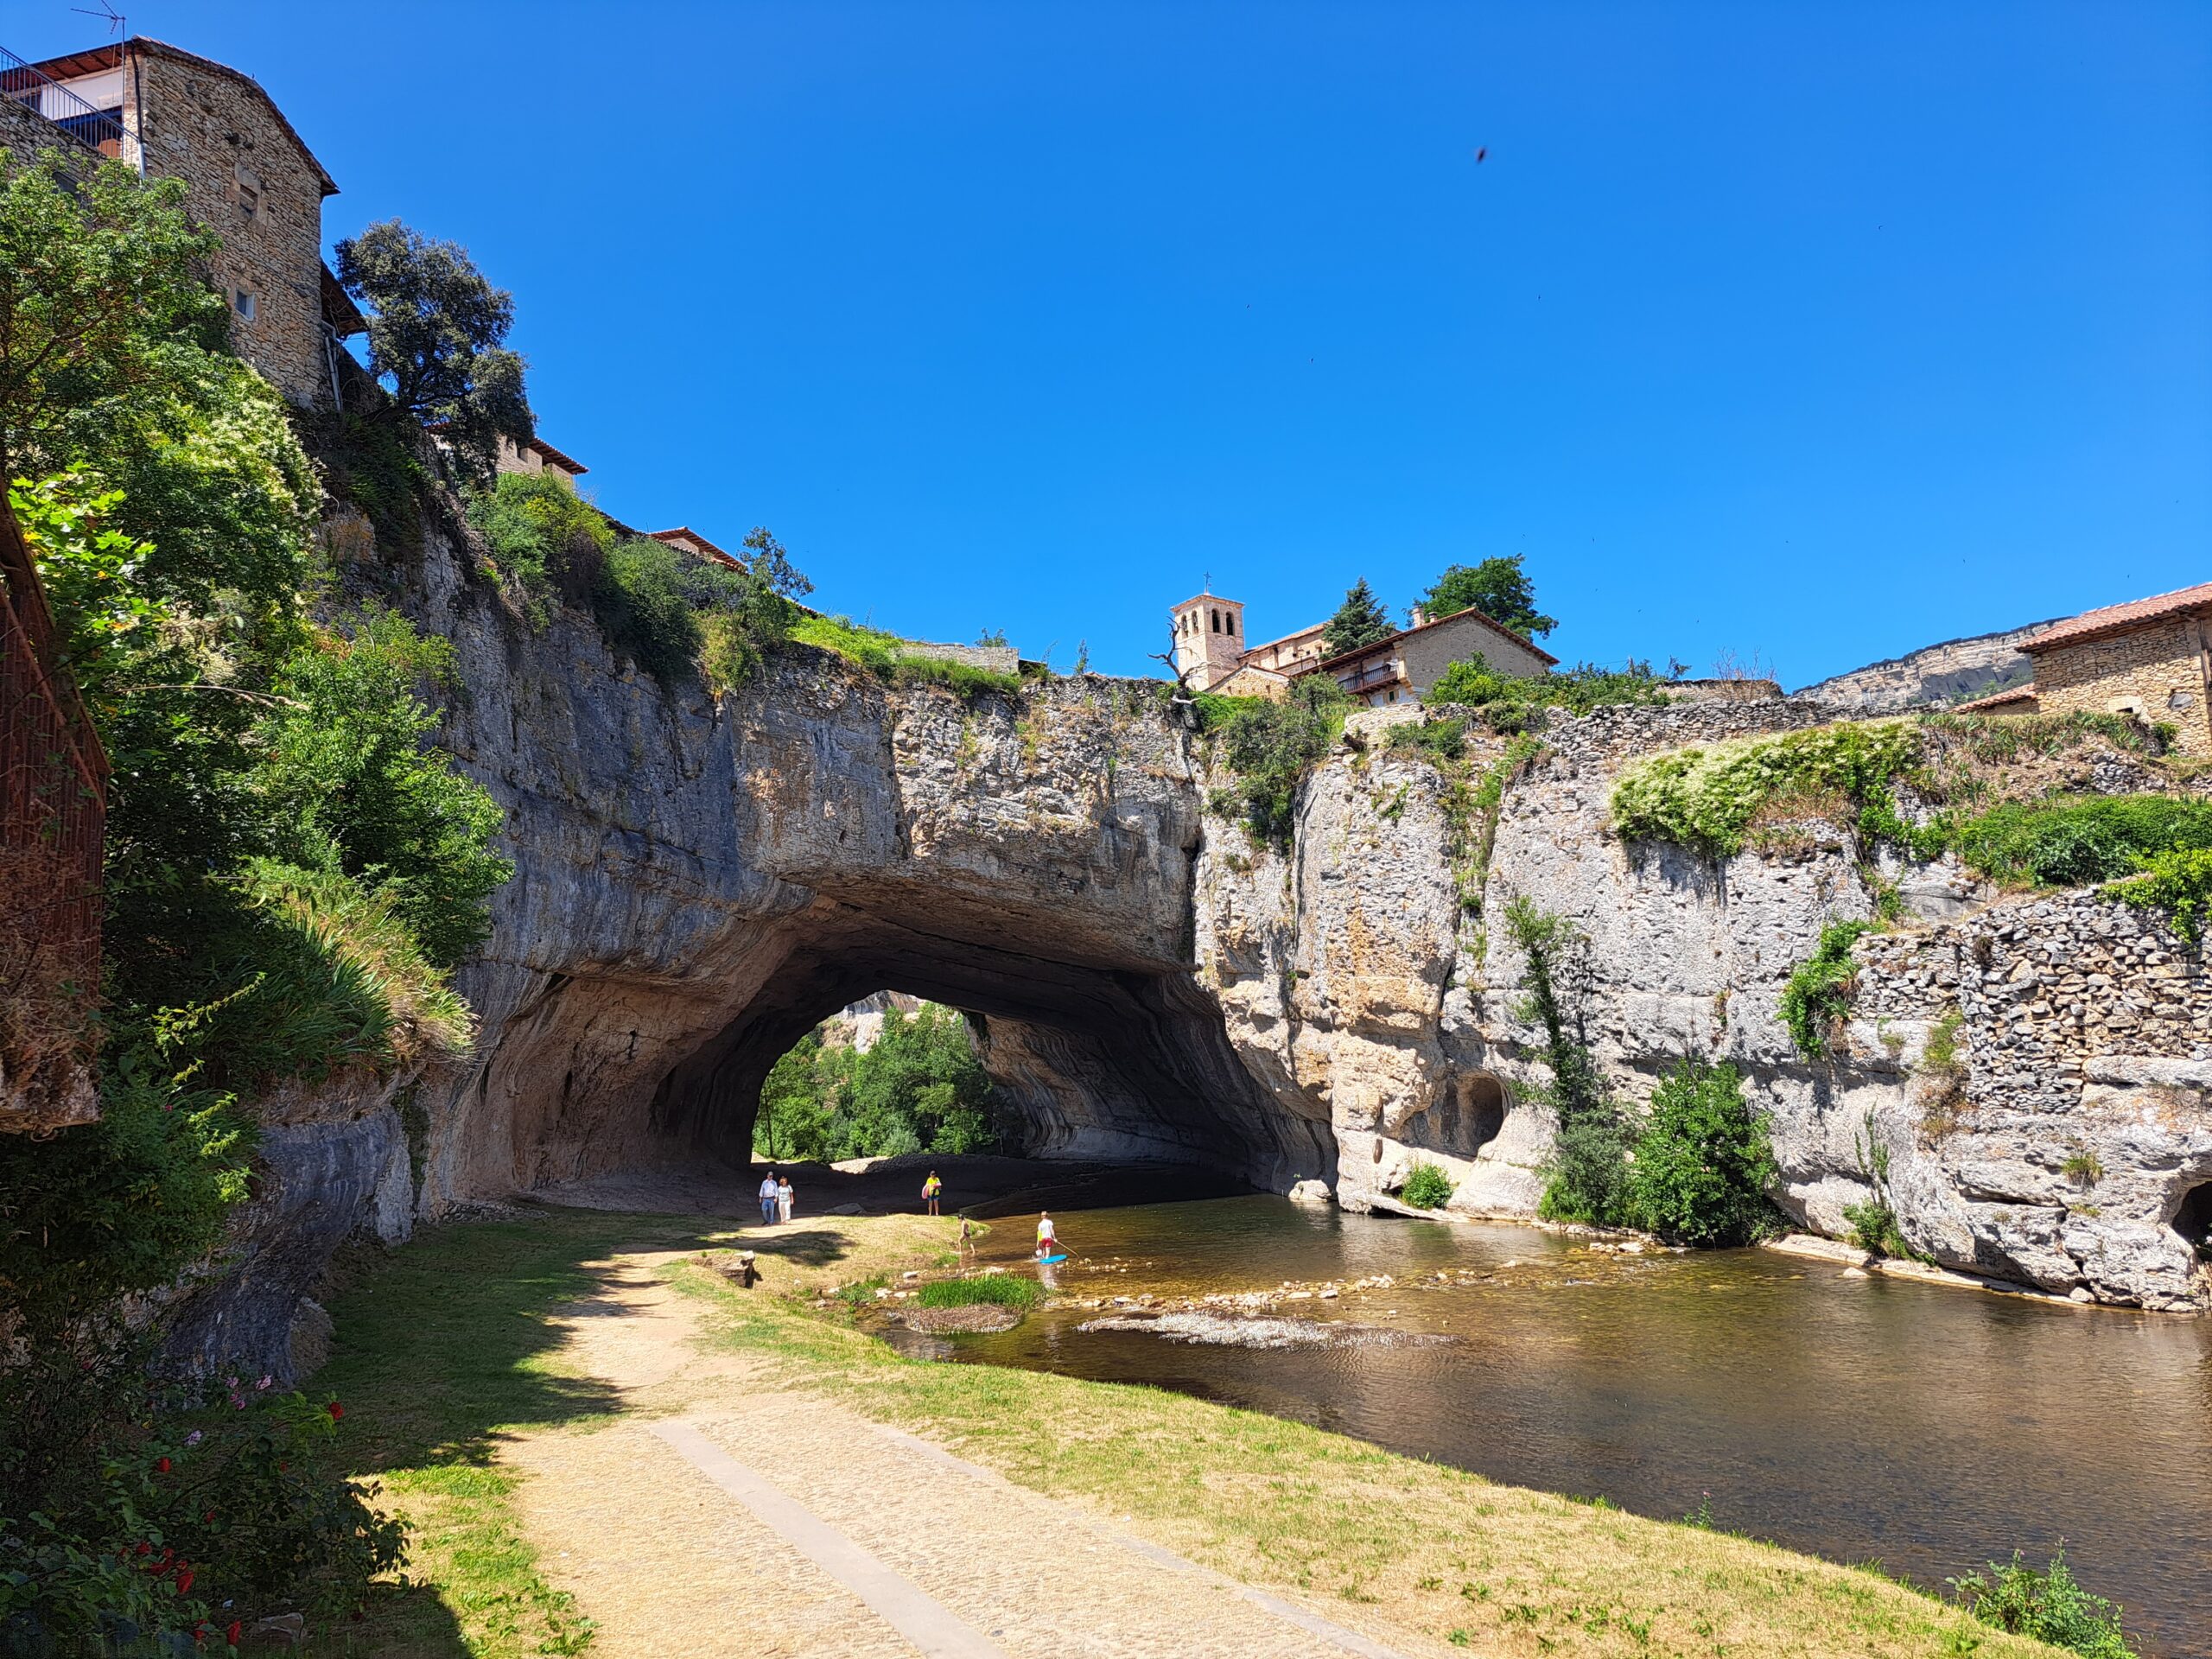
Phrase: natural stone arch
pixel 1467 1115
pixel 2193 1220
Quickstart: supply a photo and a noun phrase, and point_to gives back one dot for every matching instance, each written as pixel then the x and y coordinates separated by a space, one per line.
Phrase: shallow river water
pixel 1857 1418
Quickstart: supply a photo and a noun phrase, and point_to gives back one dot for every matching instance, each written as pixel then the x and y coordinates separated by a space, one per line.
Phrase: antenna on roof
pixel 106 12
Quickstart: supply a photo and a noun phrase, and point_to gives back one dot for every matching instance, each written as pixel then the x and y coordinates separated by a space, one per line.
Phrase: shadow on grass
pixel 441 1351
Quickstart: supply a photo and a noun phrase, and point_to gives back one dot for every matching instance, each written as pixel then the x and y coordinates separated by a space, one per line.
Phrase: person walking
pixel 931 1189
pixel 768 1191
pixel 784 1199
pixel 1048 1238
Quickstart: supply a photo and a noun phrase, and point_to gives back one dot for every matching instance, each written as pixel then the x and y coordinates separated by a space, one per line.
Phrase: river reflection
pixel 1857 1418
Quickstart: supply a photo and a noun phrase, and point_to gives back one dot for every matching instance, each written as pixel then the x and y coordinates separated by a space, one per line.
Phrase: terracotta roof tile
pixel 1470 614
pixel 2119 619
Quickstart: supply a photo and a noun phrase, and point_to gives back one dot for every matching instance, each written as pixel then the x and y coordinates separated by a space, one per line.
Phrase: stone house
pixel 2149 658
pixel 534 455
pixel 1210 653
pixel 1401 668
pixel 249 177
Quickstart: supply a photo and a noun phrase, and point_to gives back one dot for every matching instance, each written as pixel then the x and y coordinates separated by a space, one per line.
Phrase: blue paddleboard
pixel 1052 1261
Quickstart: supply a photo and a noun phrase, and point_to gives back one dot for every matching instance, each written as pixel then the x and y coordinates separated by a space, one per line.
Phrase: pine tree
pixel 1360 620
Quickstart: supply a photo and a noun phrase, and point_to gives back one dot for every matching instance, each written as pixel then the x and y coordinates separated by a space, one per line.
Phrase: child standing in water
pixel 1048 1240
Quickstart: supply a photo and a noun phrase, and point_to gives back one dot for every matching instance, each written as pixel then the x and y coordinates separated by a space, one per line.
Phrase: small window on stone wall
pixel 2181 701
pixel 243 303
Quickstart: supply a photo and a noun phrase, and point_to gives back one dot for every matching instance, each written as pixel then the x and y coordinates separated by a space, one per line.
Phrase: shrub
pixel 1706 797
pixel 1703 1162
pixel 1441 741
pixel 894 661
pixel 2179 883
pixel 919 1087
pixel 1512 703
pixel 1271 747
pixel 2075 843
pixel 1820 988
pixel 2048 1606
pixel 1873 1228
pixel 544 535
pixel 1587 1175
pixel 1427 1187
pixel 995 1289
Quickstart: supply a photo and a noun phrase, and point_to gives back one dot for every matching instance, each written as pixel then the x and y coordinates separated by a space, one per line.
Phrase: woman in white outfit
pixel 784 1199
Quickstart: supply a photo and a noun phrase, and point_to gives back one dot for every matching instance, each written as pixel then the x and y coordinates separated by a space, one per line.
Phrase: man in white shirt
pixel 768 1199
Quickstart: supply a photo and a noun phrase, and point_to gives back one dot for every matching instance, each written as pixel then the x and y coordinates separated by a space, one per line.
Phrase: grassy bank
pixel 448 1350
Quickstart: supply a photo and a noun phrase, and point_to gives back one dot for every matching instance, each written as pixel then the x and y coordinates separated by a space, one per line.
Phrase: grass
pixel 996 1290
pixel 895 661
pixel 447 1350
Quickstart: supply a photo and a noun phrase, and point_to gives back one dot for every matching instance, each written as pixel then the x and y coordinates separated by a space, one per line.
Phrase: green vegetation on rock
pixel 1272 746
pixel 1819 990
pixel 2179 883
pixel 1514 703
pixel 1427 1187
pixel 291 870
pixel 990 1289
pixel 895 661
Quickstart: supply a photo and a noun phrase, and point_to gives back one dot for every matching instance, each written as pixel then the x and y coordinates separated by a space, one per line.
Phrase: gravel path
pixel 716 1519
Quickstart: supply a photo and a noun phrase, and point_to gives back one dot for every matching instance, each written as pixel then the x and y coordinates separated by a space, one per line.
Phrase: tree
pixel 437 338
pixel 1360 620
pixel 100 297
pixel 1499 589
pixel 772 566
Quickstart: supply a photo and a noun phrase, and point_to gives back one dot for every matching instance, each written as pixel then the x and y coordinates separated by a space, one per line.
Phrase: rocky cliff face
pixel 1934 675
pixel 701 879
pixel 2063 1155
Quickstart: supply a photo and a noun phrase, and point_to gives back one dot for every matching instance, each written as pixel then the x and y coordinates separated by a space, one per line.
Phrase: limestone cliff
pixel 700 878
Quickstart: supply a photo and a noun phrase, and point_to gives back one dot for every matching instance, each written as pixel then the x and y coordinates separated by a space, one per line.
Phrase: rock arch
pixel 700 881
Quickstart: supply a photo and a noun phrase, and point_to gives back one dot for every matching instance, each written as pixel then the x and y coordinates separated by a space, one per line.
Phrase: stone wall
pixel 1427 652
pixel 219 133
pixel 1000 659
pixel 2157 668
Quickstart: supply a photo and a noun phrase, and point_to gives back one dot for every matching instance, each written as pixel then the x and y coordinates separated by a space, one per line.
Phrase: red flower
pixel 160 1466
pixel 207 1514
pixel 184 1582
pixel 145 1548
pixel 336 1411
pixel 231 1635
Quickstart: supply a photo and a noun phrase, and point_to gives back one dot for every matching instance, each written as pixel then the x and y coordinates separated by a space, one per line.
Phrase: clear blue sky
pixel 1819 330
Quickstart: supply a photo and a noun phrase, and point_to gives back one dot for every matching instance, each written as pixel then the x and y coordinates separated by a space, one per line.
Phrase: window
pixel 1216 615
pixel 249 201
pixel 243 303
pixel 1232 622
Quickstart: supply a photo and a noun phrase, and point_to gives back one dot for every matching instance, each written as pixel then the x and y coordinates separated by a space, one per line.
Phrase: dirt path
pixel 719 1516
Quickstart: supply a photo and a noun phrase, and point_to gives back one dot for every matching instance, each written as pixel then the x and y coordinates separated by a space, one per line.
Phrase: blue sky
pixel 1818 330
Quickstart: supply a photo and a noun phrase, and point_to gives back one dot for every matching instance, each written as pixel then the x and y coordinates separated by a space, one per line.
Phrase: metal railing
pixel 1367 677
pixel 99 130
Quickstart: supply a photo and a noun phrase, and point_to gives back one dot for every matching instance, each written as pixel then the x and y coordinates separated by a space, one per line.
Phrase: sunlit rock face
pixel 2071 1150
pixel 700 880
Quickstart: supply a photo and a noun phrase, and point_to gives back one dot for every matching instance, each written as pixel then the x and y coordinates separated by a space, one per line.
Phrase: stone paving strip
pixel 1033 1573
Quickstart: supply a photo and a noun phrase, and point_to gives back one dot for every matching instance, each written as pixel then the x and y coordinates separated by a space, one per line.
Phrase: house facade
pixel 1401 668
pixel 2149 658
pixel 1211 656
pixel 248 176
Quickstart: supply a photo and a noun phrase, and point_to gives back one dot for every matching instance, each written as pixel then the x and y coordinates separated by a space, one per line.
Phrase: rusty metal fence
pixel 52 813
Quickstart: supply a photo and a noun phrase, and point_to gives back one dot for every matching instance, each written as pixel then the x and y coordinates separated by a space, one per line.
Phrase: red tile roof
pixel 686 533
pixel 1469 615
pixel 2121 619
pixel 566 463
pixel 1996 700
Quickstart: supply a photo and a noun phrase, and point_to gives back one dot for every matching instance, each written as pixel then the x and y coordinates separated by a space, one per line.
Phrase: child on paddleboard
pixel 1048 1241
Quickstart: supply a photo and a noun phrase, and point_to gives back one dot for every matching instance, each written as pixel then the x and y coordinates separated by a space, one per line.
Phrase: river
pixel 1857 1418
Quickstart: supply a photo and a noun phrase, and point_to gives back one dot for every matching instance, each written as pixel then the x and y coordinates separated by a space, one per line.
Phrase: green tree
pixel 1360 620
pixel 437 333
pixel 1499 589
pixel 99 298
pixel 1703 1161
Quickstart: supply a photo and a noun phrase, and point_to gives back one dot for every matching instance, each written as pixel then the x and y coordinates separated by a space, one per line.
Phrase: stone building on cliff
pixel 248 174
pixel 1211 655
pixel 2149 658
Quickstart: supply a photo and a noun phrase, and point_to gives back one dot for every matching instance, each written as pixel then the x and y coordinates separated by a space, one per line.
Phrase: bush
pixel 1271 747
pixel 1703 1162
pixel 1427 1187
pixel 1706 797
pixel 1820 988
pixel 995 1289
pixel 544 535
pixel 2046 1605
pixel 2179 883
pixel 1587 1176
pixel 1512 703
pixel 894 661
pixel 919 1088
pixel 2075 843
